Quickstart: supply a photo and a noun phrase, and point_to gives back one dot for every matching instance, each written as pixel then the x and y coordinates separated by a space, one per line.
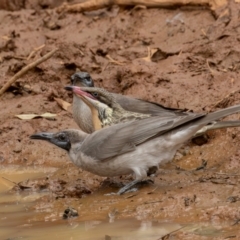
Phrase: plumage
pixel 131 147
pixel 106 111
pixel 82 114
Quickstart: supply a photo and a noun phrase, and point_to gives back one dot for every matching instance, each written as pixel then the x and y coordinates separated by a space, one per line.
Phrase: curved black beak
pixel 69 88
pixel 51 137
pixel 42 136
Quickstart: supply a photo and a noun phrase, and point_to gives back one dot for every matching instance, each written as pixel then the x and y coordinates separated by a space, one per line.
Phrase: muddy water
pixel 16 207
pixel 20 220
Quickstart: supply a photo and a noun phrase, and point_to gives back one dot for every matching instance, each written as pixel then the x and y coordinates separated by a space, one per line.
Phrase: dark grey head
pixel 63 139
pixel 82 79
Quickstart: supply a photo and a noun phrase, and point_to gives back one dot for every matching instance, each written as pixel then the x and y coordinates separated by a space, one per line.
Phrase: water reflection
pixel 19 220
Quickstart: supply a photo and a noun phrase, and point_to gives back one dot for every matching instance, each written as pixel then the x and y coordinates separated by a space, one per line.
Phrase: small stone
pixel 17 147
pixel 70 213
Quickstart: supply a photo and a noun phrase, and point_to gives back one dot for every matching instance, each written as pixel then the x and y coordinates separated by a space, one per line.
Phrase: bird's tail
pixel 219 114
pixel 187 131
pixel 217 125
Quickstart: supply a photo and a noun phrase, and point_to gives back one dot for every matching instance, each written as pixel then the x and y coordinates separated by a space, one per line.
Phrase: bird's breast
pixel 106 168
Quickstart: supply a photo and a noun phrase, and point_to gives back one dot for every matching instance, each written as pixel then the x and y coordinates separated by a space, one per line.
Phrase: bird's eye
pixel 95 94
pixel 88 79
pixel 62 137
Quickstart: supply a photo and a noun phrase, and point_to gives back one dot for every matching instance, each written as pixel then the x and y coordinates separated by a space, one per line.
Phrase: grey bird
pixel 82 114
pixel 131 147
pixel 106 111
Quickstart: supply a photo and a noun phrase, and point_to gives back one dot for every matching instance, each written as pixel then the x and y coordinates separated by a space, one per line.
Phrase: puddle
pixel 15 208
pixel 19 219
pixel 93 230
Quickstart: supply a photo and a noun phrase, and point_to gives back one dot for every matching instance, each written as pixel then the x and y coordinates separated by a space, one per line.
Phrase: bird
pixel 106 111
pixel 82 114
pixel 133 146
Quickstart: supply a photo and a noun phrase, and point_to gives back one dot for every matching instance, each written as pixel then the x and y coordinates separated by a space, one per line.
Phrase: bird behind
pixel 82 114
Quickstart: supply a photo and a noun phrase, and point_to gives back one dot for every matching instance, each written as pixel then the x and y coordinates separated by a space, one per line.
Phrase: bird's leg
pixel 152 171
pixel 128 186
pixel 131 184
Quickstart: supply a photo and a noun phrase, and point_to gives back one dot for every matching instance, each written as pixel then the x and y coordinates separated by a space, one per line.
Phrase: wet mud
pixel 182 58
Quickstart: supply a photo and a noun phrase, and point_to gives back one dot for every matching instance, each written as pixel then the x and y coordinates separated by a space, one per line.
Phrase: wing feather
pixel 124 137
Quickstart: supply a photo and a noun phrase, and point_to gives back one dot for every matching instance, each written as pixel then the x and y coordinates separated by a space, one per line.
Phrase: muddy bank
pixel 195 65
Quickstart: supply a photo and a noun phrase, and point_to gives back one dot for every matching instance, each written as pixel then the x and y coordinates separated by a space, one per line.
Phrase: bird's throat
pixel 97 124
pixel 106 117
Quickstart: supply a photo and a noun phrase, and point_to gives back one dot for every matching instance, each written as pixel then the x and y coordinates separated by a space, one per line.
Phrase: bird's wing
pixel 124 137
pixel 146 107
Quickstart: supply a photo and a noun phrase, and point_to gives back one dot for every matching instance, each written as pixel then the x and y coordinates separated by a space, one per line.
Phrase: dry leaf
pixel 31 116
pixel 63 104
pixel 150 54
pixel 156 54
pixel 48 115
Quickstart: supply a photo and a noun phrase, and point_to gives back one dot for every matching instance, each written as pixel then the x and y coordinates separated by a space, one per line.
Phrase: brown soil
pixel 198 69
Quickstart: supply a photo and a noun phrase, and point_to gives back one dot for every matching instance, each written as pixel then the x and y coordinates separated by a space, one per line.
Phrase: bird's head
pixel 101 102
pixel 82 79
pixel 64 139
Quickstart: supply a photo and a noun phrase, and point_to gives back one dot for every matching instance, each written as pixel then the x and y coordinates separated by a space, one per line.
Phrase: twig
pixel 236 222
pixel 26 69
pixel 228 174
pixel 168 234
pixel 136 7
pixel 153 202
pixel 130 196
pixel 10 181
pixel 17 57
pixel 98 4
pixel 211 70
pixel 225 98
pixel 204 33
pixel 113 61
pixel 35 50
pixel 153 190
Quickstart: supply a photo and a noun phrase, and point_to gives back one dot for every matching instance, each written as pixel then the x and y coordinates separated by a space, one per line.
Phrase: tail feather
pixel 219 114
pixel 217 125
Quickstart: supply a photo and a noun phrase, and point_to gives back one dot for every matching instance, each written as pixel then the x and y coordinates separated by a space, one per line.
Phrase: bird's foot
pixel 128 187
pixel 117 193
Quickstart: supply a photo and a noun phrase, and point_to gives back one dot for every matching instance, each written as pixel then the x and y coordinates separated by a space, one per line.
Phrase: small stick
pixel 225 98
pixel 25 69
pixel 35 50
pixel 166 235
pixel 111 60
pixel 10 181
pixel 229 174
pixel 211 70
pixel 98 4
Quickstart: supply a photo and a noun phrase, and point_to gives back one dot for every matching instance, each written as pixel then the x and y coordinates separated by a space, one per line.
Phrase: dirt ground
pixel 196 67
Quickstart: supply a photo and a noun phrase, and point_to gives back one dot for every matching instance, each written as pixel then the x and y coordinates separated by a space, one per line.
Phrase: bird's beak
pixel 79 92
pixel 50 137
pixel 42 136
